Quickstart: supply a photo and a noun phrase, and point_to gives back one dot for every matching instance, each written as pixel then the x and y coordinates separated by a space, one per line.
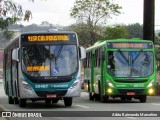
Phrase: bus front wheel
pixel 22 102
pixel 47 101
pixel 91 96
pixel 143 98
pixel 16 100
pixel 10 100
pixel 55 101
pixel 67 101
pixel 104 98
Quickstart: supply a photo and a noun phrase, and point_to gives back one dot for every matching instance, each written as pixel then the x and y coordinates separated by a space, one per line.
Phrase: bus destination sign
pixel 45 38
pixel 129 45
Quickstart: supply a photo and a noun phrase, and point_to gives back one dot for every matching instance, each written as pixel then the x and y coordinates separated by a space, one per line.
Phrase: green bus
pixel 124 68
pixel 43 66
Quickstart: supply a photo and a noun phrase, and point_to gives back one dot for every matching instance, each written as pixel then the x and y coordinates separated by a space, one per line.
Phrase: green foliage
pixel 94 13
pixel 157 44
pixel 83 33
pixel 117 31
pixel 8 34
pixel 5 22
pixel 10 13
pixel 135 30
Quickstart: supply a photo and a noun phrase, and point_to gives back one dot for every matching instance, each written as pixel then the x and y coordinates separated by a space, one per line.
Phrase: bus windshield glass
pixel 49 60
pixel 130 64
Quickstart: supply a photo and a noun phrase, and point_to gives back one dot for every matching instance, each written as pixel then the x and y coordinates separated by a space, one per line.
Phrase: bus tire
pixel 129 98
pixel 91 97
pixel 47 101
pixel 22 102
pixel 16 101
pixel 143 98
pixel 55 101
pixel 10 100
pixel 68 101
pixel 104 98
pixel 123 98
pixel 88 86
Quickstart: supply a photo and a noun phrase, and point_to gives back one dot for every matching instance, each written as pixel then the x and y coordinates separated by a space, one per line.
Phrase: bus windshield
pixel 49 60
pixel 130 64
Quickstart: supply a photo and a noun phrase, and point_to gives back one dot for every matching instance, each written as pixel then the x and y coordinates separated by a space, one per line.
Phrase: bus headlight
pixel 150 84
pixel 109 90
pixel 110 84
pixel 74 85
pixel 150 91
pixel 25 84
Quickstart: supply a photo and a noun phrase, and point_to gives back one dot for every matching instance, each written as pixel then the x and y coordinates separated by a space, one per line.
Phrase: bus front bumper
pixel 130 92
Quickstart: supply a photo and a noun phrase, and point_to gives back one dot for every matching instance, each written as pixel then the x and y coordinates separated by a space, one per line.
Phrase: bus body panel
pixel 72 88
pixel 21 82
pixel 119 86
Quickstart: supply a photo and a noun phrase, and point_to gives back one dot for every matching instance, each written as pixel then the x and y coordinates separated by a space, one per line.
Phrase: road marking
pixel 155 103
pixel 131 118
pixel 153 96
pixel 82 106
pixel 4 108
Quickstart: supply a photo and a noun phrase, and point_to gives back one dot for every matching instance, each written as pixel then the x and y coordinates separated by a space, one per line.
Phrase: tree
pixel 114 32
pixel 94 13
pixel 83 33
pixel 10 13
pixel 135 30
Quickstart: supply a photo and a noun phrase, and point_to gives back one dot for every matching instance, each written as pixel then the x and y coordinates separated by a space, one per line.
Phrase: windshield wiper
pixel 123 55
pixel 59 52
pixel 56 57
pixel 137 56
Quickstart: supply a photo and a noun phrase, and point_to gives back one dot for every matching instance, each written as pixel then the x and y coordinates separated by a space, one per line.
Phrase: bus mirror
pixel 15 54
pixel 82 53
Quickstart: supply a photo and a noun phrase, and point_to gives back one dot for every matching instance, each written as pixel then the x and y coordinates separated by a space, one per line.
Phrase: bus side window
pixel 111 61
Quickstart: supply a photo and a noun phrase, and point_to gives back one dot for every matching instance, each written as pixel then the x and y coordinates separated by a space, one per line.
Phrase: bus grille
pixel 130 81
pixel 58 93
pixel 124 91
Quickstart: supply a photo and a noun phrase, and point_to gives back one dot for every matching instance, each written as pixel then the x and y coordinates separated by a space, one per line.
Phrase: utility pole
pixel 148 19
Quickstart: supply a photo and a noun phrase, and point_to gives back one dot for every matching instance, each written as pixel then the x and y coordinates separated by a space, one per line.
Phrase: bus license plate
pixel 51 95
pixel 131 93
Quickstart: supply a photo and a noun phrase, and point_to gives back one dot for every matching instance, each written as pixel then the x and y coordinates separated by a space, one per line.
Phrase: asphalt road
pixel 82 106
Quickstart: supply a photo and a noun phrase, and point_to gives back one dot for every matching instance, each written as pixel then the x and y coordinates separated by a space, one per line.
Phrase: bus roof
pixel 104 42
pixel 37 32
pixel 48 32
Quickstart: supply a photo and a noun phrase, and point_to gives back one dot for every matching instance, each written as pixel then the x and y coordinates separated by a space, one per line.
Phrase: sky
pixel 58 12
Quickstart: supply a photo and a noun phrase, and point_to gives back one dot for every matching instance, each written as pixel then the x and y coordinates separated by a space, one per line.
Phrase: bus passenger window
pixel 111 61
